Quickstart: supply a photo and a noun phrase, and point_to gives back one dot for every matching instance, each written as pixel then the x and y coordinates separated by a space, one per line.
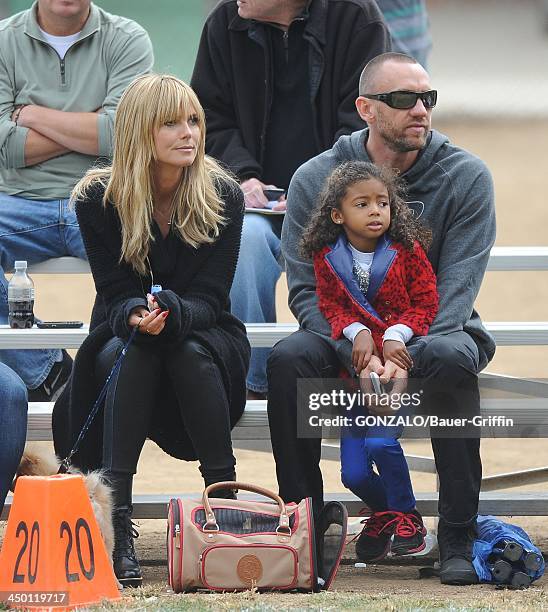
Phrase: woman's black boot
pixel 124 559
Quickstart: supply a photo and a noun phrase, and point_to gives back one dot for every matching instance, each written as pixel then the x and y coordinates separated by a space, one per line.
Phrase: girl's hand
pixel 149 323
pixel 396 352
pixel 362 350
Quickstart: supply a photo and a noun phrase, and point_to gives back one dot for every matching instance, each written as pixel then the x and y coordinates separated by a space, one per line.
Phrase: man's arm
pixel 132 58
pixel 69 131
pixel 39 148
pixel 210 81
pixel 465 249
pixel 14 139
pixel 89 133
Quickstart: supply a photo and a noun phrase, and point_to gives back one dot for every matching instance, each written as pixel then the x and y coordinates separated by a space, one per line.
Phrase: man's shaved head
pixel 369 73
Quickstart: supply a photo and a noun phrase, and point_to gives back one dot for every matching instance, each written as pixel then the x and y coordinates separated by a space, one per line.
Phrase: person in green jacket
pixel 63 68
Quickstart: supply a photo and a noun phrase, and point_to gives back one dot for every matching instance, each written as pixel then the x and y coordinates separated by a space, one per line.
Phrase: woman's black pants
pixel 133 400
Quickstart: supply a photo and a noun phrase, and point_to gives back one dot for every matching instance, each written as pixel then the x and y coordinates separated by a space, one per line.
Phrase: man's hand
pixel 396 351
pixel 281 205
pixel 253 193
pixel 390 372
pixel 374 365
pixel 362 350
pixel 16 115
pixel 396 374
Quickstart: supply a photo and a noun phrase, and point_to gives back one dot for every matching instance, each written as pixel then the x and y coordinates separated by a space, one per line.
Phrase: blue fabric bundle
pixel 519 561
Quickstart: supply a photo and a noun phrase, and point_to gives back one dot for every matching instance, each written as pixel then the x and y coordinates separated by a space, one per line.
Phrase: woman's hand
pixel 362 350
pixel 396 352
pixel 149 323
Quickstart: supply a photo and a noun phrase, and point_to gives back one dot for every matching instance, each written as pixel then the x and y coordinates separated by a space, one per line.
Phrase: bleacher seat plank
pixel 260 335
pixel 254 422
pixel 513 258
pixel 497 504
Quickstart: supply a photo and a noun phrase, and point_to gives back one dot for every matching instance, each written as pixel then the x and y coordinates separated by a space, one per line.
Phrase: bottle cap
pixel 20 265
pixel 155 289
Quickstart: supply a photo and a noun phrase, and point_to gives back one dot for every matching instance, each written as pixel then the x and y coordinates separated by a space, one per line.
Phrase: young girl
pixel 376 287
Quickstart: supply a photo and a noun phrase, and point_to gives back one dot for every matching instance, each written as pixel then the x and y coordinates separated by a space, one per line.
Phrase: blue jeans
pixel 13 427
pixel 253 294
pixel 390 488
pixel 34 230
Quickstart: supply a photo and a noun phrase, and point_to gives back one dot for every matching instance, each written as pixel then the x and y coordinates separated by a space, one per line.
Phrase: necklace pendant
pixel 362 277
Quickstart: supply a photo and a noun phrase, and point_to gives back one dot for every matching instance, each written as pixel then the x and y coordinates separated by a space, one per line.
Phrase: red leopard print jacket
pixel 407 295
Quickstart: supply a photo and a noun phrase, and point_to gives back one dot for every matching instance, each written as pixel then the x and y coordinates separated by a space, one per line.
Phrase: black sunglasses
pixel 406 99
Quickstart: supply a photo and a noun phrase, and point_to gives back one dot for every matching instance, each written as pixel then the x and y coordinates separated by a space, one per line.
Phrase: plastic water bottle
pixel 21 298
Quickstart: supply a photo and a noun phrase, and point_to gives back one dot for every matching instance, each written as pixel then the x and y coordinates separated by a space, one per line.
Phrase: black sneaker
pixel 456 545
pixel 409 534
pixel 374 541
pixel 55 382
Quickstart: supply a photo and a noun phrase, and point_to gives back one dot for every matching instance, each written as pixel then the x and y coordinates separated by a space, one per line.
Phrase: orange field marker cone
pixel 53 555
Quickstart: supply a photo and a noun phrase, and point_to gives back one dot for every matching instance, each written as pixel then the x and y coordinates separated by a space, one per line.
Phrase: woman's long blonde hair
pixel 147 104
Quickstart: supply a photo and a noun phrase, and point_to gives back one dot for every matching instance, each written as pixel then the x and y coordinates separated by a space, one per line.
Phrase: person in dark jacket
pixel 164 215
pixel 451 191
pixel 278 81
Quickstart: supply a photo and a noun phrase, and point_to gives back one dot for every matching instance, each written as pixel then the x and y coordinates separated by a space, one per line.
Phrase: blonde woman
pixel 163 214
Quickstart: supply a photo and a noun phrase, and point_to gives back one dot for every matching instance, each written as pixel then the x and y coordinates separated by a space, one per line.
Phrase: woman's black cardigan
pixel 197 295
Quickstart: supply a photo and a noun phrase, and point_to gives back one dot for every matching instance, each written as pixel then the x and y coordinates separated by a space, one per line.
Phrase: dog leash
pixel 66 463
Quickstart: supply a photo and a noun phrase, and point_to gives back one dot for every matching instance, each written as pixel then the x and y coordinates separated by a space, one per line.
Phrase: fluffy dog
pixel 37 461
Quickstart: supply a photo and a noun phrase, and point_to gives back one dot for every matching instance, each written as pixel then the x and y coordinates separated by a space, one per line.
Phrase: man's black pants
pixel 448 363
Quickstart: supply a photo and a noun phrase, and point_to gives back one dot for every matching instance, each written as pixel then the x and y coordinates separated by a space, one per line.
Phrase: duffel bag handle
pixel 211 522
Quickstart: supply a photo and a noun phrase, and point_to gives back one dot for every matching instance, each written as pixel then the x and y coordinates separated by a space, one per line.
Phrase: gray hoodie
pixel 451 190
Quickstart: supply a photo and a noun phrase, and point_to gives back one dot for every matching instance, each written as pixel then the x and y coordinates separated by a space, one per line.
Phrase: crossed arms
pixel 53 132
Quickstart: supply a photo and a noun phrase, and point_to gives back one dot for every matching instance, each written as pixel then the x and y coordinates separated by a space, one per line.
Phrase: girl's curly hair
pixel 404 227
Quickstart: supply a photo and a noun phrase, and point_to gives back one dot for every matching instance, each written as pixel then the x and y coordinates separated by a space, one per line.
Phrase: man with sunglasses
pixel 278 80
pixel 451 191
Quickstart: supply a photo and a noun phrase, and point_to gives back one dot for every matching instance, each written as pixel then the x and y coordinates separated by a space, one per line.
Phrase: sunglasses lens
pixel 403 99
pixel 430 98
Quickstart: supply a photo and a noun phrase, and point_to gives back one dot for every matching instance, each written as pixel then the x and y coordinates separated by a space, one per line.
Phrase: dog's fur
pixel 39 462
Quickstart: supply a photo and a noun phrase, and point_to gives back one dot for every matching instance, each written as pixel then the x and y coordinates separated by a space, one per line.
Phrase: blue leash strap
pixel 65 464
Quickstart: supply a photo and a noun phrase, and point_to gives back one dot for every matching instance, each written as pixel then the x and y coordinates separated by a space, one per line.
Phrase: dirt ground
pixel 518 158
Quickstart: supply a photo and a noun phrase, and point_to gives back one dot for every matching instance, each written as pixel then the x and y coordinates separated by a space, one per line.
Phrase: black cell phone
pixel 273 194
pixel 59 324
